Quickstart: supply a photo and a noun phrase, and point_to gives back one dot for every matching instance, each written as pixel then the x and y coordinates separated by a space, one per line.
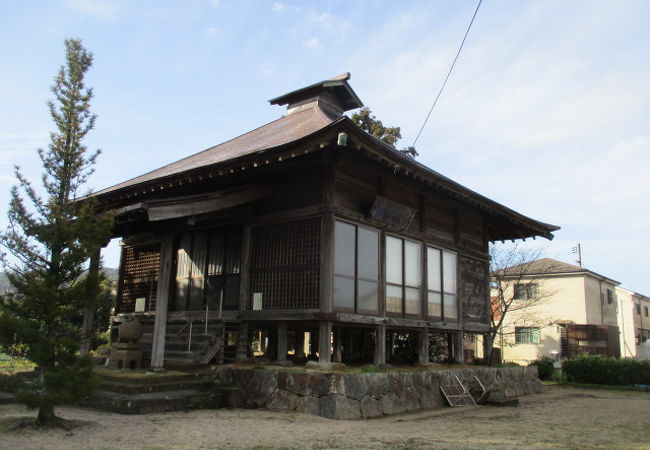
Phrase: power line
pixel 448 74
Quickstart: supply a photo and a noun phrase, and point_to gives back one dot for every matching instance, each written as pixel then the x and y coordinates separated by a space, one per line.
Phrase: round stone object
pixel 130 331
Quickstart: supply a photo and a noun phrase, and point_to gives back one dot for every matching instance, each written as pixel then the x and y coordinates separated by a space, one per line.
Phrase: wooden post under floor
pixel 282 341
pixel 325 341
pixel 423 346
pixel 459 351
pixel 300 344
pixel 242 342
pixel 338 337
pixel 380 345
pixel 162 300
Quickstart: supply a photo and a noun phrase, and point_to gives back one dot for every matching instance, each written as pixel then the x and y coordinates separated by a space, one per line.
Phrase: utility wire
pixel 448 74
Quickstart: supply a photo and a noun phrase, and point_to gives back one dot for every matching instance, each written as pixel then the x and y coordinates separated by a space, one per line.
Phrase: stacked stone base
pixel 366 395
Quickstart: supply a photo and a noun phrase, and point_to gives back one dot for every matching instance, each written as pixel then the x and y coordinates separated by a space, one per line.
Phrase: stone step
pixel 155 402
pixel 127 388
pixel 182 364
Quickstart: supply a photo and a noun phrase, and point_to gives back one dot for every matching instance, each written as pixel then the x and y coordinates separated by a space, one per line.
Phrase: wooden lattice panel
pixel 285 264
pixel 140 270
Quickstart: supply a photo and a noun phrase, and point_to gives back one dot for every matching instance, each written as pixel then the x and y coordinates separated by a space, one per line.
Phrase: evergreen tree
pixel 48 243
pixel 390 135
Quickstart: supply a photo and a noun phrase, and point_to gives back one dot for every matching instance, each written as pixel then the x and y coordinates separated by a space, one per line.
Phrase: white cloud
pixel 267 71
pixel 312 43
pixel 101 9
pixel 277 6
pixel 214 3
pixel 212 31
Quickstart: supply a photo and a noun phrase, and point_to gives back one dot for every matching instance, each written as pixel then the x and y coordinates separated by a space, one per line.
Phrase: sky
pixel 547 110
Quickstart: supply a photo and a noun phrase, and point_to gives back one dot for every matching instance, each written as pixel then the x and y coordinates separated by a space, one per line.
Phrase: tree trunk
pixel 45 415
pixel 88 326
pixel 488 345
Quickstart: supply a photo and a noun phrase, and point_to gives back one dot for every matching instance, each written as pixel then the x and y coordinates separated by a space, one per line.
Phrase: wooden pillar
pixel 162 300
pixel 242 342
pixel 459 353
pixel 338 338
pixel 88 326
pixel 380 345
pixel 300 344
pixel 244 273
pixel 324 341
pixel 282 341
pixel 423 346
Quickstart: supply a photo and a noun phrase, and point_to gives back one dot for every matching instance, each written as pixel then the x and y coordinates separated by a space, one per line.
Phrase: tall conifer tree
pixel 48 244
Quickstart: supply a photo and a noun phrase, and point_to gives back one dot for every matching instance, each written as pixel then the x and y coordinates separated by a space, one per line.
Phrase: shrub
pixel 596 369
pixel 545 367
pixel 506 364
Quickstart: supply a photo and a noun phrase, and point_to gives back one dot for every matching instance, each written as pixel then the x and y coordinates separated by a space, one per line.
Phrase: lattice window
pixel 285 265
pixel 140 270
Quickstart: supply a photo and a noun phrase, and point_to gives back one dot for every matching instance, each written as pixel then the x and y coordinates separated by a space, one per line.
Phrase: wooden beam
pixel 182 207
pixel 162 300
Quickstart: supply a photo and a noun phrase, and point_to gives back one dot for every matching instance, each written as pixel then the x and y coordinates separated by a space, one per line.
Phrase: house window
pixel 527 335
pixel 441 284
pixel 403 276
pixel 610 296
pixel 645 311
pixel 638 308
pixel 356 268
pixel 525 291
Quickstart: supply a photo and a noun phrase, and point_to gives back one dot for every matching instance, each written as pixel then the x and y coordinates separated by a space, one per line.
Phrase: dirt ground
pixel 561 417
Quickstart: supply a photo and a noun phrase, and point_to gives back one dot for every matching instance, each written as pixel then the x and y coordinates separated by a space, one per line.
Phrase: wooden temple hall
pixel 305 238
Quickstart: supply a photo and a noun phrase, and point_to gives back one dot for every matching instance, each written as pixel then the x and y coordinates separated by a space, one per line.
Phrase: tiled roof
pixel 282 131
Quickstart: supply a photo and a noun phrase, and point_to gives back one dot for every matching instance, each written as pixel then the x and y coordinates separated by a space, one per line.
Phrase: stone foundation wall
pixel 366 395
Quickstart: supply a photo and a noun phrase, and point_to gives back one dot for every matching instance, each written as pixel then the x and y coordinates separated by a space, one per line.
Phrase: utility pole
pixel 578 252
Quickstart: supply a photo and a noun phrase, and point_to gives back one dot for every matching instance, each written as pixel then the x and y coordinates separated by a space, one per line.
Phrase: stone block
pixel 409 400
pixel 339 407
pixel 296 382
pixel 377 384
pixel 319 384
pixel 283 401
pixel 308 405
pixel 371 408
pixel 262 385
pixel 391 404
pixel 356 385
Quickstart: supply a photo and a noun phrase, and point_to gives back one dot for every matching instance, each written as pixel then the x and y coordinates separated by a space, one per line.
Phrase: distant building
pixel 636 317
pixel 576 311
